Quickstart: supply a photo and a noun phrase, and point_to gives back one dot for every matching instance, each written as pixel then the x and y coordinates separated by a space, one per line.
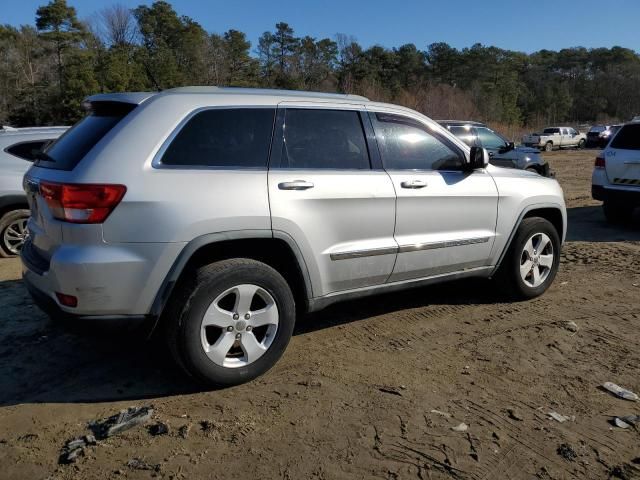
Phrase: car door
pixel 329 194
pixel 445 217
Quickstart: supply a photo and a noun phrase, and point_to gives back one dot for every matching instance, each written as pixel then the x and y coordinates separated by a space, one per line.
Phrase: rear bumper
pixel 49 306
pixel 604 194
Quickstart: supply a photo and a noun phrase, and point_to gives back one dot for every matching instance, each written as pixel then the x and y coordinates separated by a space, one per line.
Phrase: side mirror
pixel 478 158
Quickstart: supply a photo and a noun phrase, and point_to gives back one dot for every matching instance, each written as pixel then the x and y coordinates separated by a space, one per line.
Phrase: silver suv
pixel 18 148
pixel 219 214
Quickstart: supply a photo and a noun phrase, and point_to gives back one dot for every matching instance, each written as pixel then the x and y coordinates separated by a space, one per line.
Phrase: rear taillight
pixel 600 163
pixel 78 203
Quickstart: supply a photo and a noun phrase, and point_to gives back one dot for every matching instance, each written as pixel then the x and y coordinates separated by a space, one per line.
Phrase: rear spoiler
pixel 133 98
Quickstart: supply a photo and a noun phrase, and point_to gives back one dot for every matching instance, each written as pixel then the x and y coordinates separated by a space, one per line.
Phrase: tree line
pixel 46 70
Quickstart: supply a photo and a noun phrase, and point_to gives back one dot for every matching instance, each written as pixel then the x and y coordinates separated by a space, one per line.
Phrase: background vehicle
pixel 212 216
pixel 18 148
pixel 616 175
pixel 599 135
pixel 502 152
pixel 555 138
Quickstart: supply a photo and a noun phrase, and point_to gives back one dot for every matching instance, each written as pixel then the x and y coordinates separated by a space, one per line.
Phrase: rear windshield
pixel 66 152
pixel 628 138
pixel 598 129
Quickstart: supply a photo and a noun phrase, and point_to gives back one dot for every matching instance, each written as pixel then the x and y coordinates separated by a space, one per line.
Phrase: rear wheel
pixel 581 144
pixel 548 147
pixel 231 322
pixel 532 261
pixel 13 232
pixel 617 213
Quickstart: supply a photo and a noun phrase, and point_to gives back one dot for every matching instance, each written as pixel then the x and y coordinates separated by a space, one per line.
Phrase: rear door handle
pixel 295 185
pixel 413 184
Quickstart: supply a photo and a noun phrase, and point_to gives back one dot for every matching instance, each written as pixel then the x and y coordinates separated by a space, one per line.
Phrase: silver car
pixel 18 149
pixel 502 152
pixel 219 214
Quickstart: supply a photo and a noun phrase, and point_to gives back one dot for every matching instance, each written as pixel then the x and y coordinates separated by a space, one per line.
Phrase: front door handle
pixel 295 185
pixel 413 184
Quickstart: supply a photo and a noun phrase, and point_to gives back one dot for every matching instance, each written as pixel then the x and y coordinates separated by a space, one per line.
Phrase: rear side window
pixel 316 138
pixel 223 138
pixel 408 145
pixel 67 151
pixel 628 138
pixel 550 131
pixel 27 150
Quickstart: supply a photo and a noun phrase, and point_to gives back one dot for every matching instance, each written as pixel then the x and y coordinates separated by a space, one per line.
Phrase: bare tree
pixel 117 25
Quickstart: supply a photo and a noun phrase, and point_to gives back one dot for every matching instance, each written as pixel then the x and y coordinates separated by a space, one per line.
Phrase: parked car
pixel 616 175
pixel 18 148
pixel 502 153
pixel 599 135
pixel 196 209
pixel 556 138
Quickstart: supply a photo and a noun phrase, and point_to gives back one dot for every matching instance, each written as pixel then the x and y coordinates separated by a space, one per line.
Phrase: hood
pixel 527 150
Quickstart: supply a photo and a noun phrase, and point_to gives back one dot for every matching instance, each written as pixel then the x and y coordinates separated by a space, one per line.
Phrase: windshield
pixel 66 152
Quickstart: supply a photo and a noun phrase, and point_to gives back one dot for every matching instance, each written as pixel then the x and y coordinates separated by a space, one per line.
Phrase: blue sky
pixel 519 25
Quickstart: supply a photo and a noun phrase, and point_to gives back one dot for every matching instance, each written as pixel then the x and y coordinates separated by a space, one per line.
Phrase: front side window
pixel 27 150
pixel 327 139
pixel 628 138
pixel 220 137
pixel 489 139
pixel 406 144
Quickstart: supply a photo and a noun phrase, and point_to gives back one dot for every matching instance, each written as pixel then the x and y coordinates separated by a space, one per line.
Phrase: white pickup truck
pixel 555 138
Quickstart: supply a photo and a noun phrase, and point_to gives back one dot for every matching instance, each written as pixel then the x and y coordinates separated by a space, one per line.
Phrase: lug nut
pixel 247 316
pixel 236 316
pixel 248 328
pixel 229 328
pixel 238 336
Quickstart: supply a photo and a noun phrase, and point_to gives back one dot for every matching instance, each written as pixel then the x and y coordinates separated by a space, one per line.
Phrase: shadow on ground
pixel 588 224
pixel 42 361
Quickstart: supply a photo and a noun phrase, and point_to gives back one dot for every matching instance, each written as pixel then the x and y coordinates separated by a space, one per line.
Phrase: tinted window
pixel 408 145
pixel 597 129
pixel 464 133
pixel 628 138
pixel 66 152
pixel 315 138
pixel 551 131
pixel 489 139
pixel 223 138
pixel 27 150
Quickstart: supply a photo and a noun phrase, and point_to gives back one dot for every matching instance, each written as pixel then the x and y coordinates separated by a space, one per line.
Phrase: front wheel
pixel 231 322
pixel 548 147
pixel 532 261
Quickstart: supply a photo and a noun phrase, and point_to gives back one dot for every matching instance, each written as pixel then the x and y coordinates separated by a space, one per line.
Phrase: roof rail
pixel 265 91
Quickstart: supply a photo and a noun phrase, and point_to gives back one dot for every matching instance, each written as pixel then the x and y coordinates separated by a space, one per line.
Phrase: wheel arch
pixel 13 202
pixel 279 251
pixel 551 212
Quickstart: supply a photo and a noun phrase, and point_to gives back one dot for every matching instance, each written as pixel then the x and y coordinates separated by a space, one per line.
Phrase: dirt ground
pixel 355 393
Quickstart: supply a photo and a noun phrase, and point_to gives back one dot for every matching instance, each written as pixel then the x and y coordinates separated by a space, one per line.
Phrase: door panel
pixel 445 218
pixel 447 226
pixel 341 219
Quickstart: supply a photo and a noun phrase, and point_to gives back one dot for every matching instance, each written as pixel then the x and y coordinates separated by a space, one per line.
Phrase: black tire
pixel 532 169
pixel 184 314
pixel 508 276
pixel 10 219
pixel 616 213
pixel 548 147
pixel 581 144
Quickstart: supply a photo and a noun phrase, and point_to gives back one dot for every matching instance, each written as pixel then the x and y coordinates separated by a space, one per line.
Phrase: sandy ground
pixel 354 394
